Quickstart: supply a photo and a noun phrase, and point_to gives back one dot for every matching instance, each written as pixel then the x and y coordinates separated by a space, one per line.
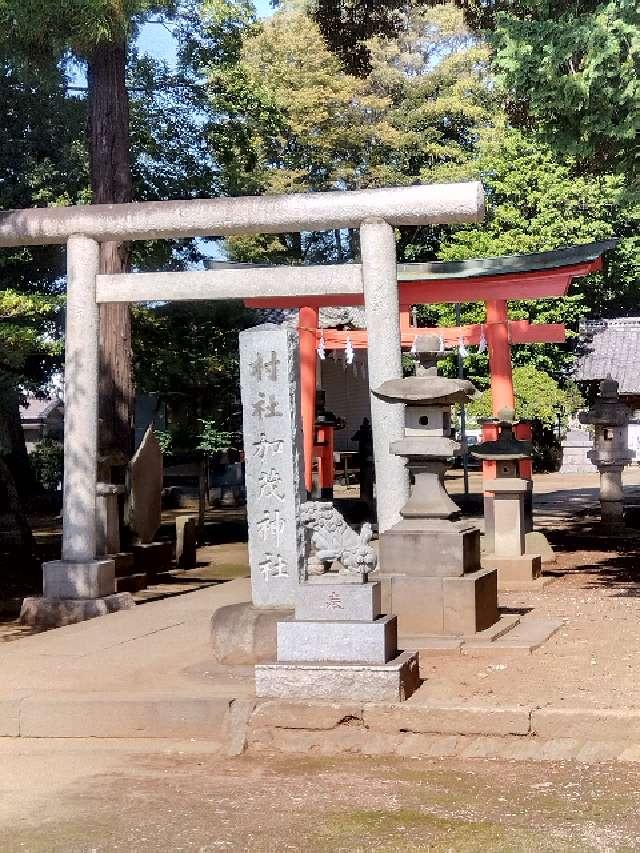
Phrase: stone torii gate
pixel 79 576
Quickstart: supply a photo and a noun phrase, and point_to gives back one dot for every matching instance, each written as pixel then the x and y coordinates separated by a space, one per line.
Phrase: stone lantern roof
pixel 427 391
pixel 607 409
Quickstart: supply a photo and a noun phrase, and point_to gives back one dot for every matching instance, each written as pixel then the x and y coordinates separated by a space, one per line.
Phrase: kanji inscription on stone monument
pixel 272 434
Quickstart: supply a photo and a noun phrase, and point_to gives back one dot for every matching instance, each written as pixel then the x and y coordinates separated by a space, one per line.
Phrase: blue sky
pixel 155 39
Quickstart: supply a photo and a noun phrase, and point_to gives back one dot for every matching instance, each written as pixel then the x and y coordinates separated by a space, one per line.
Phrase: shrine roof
pixel 611 348
pixel 506 265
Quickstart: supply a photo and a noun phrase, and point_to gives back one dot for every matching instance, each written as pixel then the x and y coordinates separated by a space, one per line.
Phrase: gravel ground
pixel 93 798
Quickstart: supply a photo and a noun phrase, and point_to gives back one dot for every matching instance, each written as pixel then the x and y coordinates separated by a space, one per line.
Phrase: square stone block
pixel 153 558
pixel 389 682
pixel 525 568
pixel 417 603
pixel 447 550
pixel 357 602
pixel 65 580
pixel 338 642
pixel 123 562
pixel 470 602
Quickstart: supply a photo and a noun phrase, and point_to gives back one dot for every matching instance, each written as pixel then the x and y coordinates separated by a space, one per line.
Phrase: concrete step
pixel 115 716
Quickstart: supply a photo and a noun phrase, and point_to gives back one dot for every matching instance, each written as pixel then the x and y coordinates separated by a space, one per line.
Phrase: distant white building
pixel 42 419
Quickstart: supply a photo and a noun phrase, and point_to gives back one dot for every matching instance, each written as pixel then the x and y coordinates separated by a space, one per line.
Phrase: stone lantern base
pixel 516 572
pixel 432 580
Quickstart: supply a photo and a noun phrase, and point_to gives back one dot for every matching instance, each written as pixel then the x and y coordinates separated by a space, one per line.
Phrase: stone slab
pixel 64 580
pixel 525 568
pixel 131 583
pixel 337 642
pixel 152 558
pixel 443 719
pixel 346 602
pixel 393 681
pixel 56 612
pixel 244 634
pixel 444 551
pixel 269 387
pixel 186 542
pixel 524 638
pixel 144 505
pixel 109 717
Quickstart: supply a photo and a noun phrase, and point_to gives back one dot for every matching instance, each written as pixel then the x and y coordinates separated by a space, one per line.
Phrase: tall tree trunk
pixel 111 183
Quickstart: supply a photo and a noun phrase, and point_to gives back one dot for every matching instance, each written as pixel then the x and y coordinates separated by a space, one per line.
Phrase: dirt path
pixel 75 797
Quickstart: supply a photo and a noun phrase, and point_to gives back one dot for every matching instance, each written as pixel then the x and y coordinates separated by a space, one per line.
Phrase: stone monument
pixel 273 471
pixel 575 450
pixel 269 387
pixel 108 541
pixel 610 418
pixel 430 561
pixel 144 507
pixel 186 542
pixel 505 526
pixel 339 645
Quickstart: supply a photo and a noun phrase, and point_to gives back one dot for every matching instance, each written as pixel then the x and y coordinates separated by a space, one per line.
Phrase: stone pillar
pixel 379 275
pixel 79 586
pixel 612 495
pixel 269 386
pixel 107 518
pixel 80 401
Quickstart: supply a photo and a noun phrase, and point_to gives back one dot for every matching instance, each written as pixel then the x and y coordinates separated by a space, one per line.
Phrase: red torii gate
pixel 492 280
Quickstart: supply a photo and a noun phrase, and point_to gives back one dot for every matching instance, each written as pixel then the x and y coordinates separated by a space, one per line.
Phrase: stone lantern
pixel 430 561
pixel 610 417
pixel 505 525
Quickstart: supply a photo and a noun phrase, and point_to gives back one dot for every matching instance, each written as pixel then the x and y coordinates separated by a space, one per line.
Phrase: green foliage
pixel 212 439
pixel 165 440
pixel 289 118
pixel 538 398
pixel 571 72
pixel 538 201
pixel 187 354
pixel 47 463
pixel 45 30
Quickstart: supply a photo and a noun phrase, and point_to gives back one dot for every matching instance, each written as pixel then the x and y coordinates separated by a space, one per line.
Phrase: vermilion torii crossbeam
pixel 493 281
pixel 520 332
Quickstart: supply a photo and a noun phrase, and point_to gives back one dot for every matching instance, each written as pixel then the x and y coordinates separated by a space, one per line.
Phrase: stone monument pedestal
pixel 432 580
pixel 339 646
pixel 74 592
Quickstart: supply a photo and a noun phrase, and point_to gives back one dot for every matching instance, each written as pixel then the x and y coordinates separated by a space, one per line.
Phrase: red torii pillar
pixel 500 333
pixel 494 289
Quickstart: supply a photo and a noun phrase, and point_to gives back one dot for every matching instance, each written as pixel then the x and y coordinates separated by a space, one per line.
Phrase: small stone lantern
pixel 505 511
pixel 430 561
pixel 611 452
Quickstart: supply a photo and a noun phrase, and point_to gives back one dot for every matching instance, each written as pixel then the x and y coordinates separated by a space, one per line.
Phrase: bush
pixel 47 460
